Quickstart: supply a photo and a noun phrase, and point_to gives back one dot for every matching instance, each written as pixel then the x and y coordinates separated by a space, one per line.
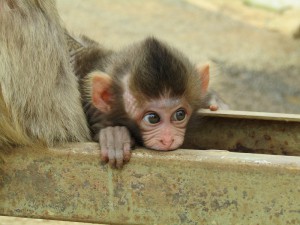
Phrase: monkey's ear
pixel 101 91
pixel 203 71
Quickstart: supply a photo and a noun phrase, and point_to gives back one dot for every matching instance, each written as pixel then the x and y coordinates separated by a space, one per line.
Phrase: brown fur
pixel 155 70
pixel 93 57
pixel 39 97
pixel 159 70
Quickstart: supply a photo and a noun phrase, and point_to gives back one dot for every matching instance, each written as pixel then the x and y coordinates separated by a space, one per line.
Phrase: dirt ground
pixel 256 59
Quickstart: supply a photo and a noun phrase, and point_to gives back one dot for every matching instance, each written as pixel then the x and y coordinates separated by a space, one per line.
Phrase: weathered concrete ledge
pixel 178 187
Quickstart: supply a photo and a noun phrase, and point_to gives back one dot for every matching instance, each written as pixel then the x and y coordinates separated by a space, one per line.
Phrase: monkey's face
pixel 162 122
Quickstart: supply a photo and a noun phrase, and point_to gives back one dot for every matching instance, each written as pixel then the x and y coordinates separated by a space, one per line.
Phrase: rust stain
pixel 267 137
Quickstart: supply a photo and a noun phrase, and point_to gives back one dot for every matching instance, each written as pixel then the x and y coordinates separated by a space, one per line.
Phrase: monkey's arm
pixel 111 130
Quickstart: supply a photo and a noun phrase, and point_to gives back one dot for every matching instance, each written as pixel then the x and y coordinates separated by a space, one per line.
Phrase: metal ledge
pixel 251 115
pixel 177 187
pixel 250 132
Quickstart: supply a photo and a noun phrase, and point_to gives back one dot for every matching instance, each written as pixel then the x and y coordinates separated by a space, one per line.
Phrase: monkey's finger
pixel 126 139
pixel 119 158
pixel 125 136
pixel 104 154
pixel 127 152
pixel 103 146
pixel 112 157
pixel 213 107
pixel 111 138
pixel 119 147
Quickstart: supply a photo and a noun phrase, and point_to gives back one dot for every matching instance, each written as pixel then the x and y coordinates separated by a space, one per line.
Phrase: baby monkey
pixel 146 93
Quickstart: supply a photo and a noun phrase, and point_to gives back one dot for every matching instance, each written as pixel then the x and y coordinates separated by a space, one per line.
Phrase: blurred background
pixel 253 45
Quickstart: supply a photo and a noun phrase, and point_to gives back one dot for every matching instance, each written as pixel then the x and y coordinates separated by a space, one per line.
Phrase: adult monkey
pixel 147 92
pixel 39 97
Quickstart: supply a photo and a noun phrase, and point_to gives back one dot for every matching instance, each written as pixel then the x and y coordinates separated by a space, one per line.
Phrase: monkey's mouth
pixel 164 148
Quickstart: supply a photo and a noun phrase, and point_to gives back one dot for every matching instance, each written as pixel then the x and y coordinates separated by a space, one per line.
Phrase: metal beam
pixel 250 132
pixel 177 187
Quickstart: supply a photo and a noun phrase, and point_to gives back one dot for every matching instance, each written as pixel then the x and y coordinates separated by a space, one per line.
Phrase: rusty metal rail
pixel 177 187
pixel 250 132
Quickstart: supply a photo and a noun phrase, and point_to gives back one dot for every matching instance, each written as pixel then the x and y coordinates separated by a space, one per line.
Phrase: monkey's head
pixel 161 90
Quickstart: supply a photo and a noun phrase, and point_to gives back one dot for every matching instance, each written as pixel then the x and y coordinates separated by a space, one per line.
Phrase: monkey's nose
pixel 167 142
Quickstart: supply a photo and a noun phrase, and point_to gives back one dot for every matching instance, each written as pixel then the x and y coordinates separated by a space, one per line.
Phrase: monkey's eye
pixel 179 115
pixel 152 118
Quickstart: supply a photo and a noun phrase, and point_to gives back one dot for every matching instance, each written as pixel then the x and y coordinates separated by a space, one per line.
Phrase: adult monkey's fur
pixel 39 97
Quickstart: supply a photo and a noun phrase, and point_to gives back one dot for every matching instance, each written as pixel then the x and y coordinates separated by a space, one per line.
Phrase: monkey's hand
pixel 115 143
pixel 214 102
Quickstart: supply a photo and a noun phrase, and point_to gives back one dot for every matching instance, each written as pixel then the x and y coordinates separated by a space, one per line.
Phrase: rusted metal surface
pixel 177 187
pixel 252 132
